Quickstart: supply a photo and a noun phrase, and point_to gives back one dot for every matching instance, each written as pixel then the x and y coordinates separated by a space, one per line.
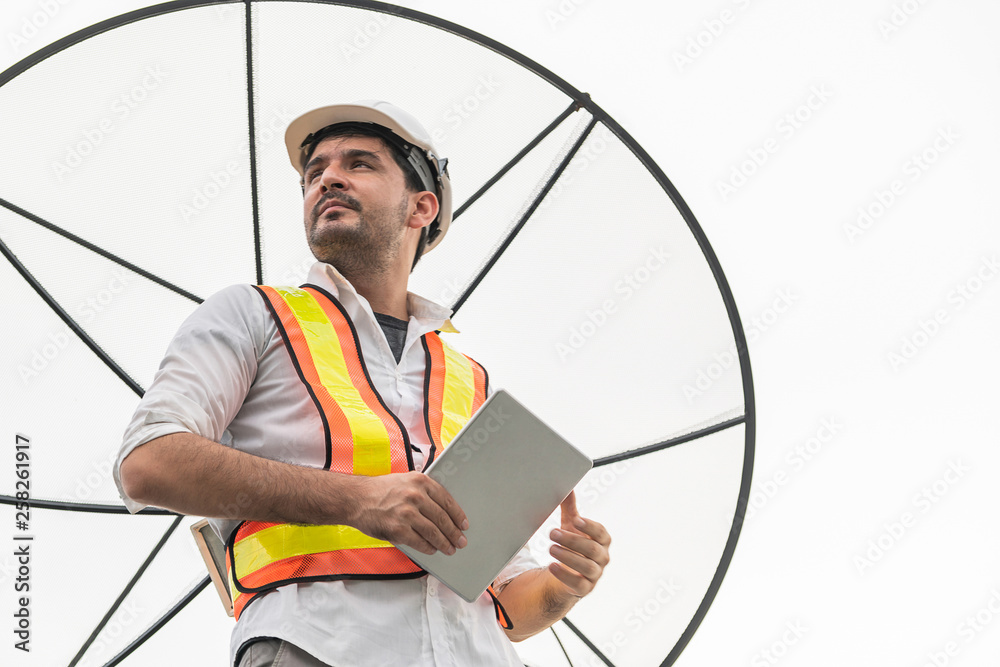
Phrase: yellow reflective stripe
pixel 287 540
pixel 371 439
pixel 459 389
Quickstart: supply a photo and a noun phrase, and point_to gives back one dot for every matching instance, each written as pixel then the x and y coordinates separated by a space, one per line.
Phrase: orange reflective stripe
pixel 502 618
pixel 455 387
pixel 481 380
pixel 339 459
pixel 239 603
pixel 397 460
pixel 433 388
pixel 386 560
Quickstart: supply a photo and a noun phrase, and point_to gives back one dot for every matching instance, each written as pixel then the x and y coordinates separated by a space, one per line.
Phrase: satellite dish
pixel 142 177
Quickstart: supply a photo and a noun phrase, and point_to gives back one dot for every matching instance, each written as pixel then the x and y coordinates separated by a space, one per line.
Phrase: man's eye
pixel 361 163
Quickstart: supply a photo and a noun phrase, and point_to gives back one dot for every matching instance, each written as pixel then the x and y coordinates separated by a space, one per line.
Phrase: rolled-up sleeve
pixel 204 376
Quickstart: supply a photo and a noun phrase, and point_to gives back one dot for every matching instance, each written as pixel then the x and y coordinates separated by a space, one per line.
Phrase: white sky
pixel 880 98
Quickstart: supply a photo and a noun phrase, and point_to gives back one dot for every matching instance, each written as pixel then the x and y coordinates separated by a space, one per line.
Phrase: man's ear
pixel 425 210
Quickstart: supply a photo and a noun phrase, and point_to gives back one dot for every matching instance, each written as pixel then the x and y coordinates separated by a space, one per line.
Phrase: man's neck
pixel 385 295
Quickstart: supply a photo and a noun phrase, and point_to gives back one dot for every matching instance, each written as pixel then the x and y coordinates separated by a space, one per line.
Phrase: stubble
pixel 366 246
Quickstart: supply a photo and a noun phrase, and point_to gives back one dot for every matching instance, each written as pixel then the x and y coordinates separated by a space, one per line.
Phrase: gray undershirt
pixel 395 333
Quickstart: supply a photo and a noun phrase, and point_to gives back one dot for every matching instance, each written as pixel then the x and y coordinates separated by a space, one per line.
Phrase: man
pixel 249 421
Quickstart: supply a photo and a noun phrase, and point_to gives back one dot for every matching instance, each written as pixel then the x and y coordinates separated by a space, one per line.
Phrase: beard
pixel 366 246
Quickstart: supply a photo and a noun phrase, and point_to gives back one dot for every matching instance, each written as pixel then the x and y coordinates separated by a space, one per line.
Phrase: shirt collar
pixel 426 311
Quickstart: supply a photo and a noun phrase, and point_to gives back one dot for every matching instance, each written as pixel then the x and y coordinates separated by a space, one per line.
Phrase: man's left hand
pixel 581 549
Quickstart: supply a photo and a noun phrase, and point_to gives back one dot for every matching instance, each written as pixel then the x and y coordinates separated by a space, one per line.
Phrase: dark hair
pixel 413 183
pixel 409 173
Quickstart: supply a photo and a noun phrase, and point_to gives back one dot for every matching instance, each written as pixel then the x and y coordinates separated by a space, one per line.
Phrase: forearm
pixel 538 598
pixel 194 475
pixel 534 600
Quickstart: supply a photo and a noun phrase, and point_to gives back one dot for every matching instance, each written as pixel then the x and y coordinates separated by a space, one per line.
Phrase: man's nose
pixel 333 179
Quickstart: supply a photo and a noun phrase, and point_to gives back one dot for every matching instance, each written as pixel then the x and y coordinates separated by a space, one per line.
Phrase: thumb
pixel 569 513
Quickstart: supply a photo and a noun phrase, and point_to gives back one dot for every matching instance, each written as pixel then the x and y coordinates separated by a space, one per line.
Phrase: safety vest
pixel 363 437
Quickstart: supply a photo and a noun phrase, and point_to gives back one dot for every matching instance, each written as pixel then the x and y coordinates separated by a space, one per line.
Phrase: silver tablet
pixel 508 471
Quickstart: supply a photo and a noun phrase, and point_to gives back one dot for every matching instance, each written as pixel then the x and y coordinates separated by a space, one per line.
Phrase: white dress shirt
pixel 227 376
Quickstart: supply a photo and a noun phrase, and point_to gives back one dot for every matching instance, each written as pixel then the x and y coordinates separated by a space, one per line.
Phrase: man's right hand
pixel 193 475
pixel 409 508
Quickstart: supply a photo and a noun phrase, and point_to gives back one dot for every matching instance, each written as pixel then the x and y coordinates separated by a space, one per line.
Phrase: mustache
pixel 345 199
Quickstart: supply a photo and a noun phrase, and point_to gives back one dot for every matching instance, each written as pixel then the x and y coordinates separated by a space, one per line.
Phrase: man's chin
pixel 333 248
pixel 339 230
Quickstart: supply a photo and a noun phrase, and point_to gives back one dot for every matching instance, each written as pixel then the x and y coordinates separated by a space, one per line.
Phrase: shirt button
pixel 399 376
pixel 431 590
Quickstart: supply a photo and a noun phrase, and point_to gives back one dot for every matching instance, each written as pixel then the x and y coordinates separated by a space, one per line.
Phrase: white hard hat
pixel 415 143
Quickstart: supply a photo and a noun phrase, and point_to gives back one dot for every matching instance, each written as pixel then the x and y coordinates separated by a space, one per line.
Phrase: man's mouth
pixel 334 204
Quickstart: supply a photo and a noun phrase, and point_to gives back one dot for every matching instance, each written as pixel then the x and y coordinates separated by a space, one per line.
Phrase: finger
pixel 581 544
pixel 439 526
pixel 577 584
pixel 441 523
pixel 593 530
pixel 430 532
pixel 445 500
pixel 576 562
pixel 414 540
